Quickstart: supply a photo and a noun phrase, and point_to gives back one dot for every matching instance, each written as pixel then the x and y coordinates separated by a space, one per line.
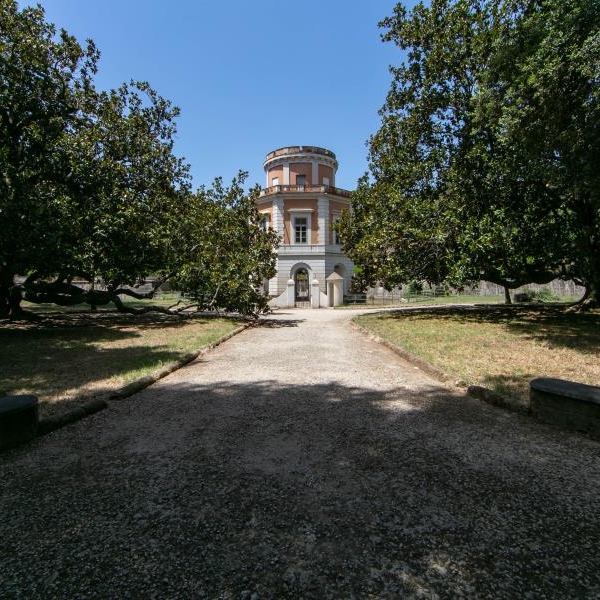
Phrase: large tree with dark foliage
pixel 42 78
pixel 92 197
pixel 485 166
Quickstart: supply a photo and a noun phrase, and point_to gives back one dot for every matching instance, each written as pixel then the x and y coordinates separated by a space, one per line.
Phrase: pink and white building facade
pixel 301 203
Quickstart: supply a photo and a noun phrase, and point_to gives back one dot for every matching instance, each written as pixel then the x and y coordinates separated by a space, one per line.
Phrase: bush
pixel 543 295
pixel 414 287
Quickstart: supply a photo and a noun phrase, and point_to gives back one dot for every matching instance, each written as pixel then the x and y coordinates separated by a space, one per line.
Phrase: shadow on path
pixel 310 491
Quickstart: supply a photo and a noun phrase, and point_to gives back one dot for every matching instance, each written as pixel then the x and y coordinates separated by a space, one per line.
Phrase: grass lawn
pixel 452 299
pixel 502 348
pixel 73 357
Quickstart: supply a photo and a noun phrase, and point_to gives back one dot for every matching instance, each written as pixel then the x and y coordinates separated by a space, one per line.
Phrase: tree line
pixel 487 162
pixel 91 190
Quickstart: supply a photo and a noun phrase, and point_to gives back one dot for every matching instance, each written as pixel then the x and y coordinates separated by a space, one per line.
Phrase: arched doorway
pixel 301 286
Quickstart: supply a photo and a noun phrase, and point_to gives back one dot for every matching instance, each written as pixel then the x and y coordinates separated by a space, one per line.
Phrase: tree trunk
pixel 6 283
pixel 507 298
pixel 591 298
pixel 14 301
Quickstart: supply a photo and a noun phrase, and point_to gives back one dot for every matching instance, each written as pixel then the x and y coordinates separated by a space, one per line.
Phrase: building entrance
pixel 302 286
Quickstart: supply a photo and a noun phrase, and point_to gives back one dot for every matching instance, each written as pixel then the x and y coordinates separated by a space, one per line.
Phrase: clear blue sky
pixel 248 76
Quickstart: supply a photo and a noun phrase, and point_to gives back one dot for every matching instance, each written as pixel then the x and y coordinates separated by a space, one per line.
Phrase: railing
pixel 323 189
pixel 299 149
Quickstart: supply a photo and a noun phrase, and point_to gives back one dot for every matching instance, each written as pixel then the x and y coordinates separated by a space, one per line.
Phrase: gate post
pixel 315 300
pixel 291 293
pixel 335 289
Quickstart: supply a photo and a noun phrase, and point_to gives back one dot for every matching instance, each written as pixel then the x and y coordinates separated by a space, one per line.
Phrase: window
pixel 336 237
pixel 264 221
pixel 300 180
pixel 275 181
pixel 325 180
pixel 300 230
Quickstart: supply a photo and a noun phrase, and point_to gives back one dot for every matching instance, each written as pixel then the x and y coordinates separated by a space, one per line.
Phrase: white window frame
pixel 301 215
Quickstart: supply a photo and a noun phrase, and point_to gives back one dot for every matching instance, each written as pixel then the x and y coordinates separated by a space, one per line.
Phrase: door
pixel 302 285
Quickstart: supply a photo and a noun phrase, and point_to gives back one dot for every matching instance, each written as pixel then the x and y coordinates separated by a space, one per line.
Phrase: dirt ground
pixel 301 460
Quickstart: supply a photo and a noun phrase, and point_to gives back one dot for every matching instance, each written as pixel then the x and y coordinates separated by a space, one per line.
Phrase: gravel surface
pixel 301 460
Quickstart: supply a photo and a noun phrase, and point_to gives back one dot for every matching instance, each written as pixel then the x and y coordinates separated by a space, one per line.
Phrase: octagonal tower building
pixel 301 203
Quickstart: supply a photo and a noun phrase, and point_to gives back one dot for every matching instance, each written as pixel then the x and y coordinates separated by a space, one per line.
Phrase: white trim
pixel 278 222
pixel 286 173
pixel 323 208
pixel 301 210
pixel 315 173
pixel 295 214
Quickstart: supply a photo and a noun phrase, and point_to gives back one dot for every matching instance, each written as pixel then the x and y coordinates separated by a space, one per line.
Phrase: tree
pixel 464 185
pixel 92 197
pixel 41 79
pixel 548 70
pixel 226 255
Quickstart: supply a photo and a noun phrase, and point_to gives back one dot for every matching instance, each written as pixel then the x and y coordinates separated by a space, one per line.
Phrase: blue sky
pixel 248 76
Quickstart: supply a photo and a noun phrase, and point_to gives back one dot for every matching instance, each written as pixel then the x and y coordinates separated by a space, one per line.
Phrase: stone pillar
pixel 315 173
pixel 323 216
pixel 291 293
pixel 335 289
pixel 18 420
pixel 315 293
pixel 278 215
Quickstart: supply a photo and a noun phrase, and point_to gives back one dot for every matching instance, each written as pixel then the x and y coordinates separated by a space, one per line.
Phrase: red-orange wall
pixel 325 171
pixel 290 204
pixel 301 169
pixel 275 172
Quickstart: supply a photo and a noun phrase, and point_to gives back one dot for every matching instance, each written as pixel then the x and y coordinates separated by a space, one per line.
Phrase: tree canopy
pixel 485 164
pixel 91 190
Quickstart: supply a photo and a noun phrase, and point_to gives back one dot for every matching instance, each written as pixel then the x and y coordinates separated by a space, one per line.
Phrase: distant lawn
pixel 161 299
pixel 72 357
pixel 502 348
pixel 428 301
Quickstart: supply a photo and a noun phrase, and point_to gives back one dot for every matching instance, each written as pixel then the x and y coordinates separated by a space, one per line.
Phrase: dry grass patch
pixel 71 358
pixel 502 348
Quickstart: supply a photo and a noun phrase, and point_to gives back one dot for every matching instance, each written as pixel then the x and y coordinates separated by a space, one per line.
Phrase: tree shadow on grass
pixel 549 324
pixel 308 491
pixel 69 360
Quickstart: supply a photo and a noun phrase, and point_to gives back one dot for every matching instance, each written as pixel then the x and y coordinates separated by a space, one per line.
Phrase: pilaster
pixel 278 215
pixel 323 212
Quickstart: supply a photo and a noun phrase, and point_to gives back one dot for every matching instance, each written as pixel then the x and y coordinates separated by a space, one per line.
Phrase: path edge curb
pixel 407 356
pixel 50 424
pixel 143 382
pixel 475 391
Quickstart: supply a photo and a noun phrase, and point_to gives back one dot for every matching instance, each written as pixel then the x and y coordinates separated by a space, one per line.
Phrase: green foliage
pixel 485 165
pixel 543 295
pixel 414 287
pixel 42 79
pixel 90 188
pixel 226 255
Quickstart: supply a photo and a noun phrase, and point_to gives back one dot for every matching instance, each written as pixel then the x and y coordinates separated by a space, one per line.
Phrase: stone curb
pixel 476 391
pixel 147 380
pixel 53 423
pixel 482 393
pixel 411 358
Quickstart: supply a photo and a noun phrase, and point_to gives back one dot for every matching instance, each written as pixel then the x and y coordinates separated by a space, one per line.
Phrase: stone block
pixel 18 420
pixel 566 404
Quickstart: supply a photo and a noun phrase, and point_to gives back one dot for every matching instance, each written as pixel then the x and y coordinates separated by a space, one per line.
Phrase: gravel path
pixel 301 460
